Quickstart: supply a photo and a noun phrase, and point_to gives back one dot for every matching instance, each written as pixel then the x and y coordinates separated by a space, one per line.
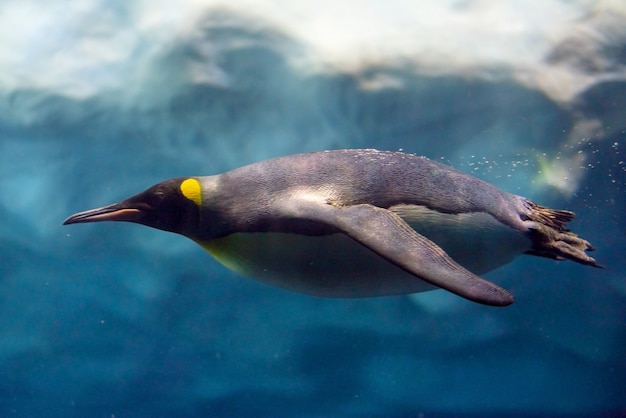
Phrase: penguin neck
pixel 216 215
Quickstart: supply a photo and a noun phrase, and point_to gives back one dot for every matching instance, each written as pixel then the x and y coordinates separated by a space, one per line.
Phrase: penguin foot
pixel 552 239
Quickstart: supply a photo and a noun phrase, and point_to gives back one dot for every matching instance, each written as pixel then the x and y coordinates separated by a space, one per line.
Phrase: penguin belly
pixel 337 266
pixel 328 266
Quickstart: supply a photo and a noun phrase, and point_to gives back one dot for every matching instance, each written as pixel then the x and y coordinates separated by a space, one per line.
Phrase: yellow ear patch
pixel 192 190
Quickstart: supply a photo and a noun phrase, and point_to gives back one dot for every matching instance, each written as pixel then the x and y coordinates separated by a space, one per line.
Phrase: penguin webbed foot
pixel 552 239
pixel 559 245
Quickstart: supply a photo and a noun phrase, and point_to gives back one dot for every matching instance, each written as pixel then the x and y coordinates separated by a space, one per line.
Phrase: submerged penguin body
pixel 335 265
pixel 355 223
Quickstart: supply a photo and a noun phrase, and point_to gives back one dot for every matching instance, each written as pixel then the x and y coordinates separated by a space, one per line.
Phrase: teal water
pixel 121 320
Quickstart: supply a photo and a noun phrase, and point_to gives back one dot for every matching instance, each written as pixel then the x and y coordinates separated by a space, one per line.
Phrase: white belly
pixel 337 266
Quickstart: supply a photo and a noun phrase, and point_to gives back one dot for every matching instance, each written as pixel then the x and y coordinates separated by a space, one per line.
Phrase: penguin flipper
pixel 385 233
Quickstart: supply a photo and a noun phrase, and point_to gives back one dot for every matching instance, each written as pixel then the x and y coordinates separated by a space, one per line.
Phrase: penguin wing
pixel 385 233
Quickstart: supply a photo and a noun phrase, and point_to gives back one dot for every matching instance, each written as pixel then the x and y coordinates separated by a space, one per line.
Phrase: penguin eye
pixel 156 199
pixel 150 199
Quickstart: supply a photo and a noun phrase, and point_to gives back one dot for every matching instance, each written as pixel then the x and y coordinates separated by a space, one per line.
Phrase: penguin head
pixel 173 205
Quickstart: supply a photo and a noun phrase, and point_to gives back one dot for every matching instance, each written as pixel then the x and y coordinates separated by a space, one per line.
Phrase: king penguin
pixel 355 223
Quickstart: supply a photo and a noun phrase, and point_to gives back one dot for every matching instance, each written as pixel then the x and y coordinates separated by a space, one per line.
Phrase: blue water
pixel 119 320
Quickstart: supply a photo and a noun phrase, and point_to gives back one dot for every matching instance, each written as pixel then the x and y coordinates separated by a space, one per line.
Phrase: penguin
pixel 355 223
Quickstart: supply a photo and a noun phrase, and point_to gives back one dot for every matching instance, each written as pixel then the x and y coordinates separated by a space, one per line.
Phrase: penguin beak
pixel 114 212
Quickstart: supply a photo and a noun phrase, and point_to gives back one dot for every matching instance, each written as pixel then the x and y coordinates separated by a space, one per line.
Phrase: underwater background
pixel 101 99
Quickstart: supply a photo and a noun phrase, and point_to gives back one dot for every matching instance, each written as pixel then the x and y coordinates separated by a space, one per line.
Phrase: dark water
pixel 118 320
